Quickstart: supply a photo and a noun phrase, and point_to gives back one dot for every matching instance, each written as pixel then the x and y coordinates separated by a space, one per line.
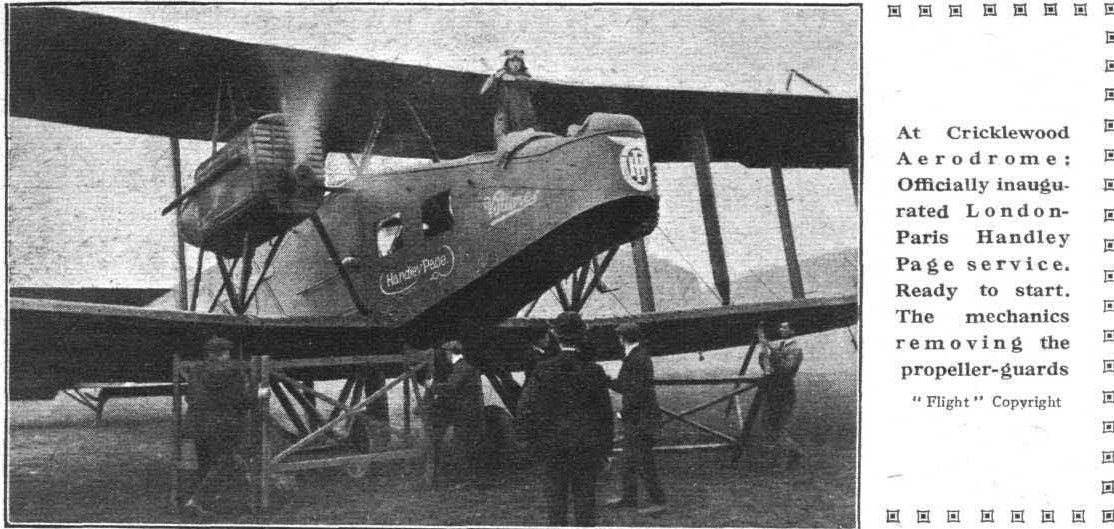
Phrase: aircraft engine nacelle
pixel 260 184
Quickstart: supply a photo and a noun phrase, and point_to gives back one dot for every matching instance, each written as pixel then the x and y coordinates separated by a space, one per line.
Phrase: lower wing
pixel 53 345
pixel 689 331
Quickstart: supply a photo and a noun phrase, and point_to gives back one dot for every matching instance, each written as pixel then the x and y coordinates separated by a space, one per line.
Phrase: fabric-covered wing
pixel 688 331
pixel 103 72
pixel 54 344
pixel 756 130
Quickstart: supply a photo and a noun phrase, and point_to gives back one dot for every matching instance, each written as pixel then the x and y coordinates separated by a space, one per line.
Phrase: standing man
pixel 542 348
pixel 565 417
pixel 641 419
pixel 464 396
pixel 513 89
pixel 219 402
pixel 437 411
pixel 780 362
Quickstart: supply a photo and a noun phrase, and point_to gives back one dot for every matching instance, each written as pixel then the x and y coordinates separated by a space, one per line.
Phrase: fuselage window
pixel 389 234
pixel 437 214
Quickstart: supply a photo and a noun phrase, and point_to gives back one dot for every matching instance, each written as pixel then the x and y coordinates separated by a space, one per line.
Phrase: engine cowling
pixel 260 184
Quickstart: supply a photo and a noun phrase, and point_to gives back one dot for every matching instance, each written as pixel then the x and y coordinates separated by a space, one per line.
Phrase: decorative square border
pixel 990 9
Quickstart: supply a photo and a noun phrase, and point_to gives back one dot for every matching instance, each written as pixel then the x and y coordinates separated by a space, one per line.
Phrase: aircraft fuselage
pixel 469 239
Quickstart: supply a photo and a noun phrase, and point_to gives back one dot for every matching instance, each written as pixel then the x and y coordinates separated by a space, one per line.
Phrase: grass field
pixel 61 469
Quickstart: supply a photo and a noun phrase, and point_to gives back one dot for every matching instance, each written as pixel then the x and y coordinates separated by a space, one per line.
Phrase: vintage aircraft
pixel 411 257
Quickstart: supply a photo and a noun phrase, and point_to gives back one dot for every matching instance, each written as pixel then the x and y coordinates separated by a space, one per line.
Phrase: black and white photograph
pixel 433 265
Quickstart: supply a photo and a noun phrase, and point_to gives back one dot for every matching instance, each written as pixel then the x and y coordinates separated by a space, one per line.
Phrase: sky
pixel 83 203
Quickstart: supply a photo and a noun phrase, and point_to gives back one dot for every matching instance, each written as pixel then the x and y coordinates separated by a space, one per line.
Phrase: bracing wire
pixel 689 263
pixel 620 302
pixel 764 285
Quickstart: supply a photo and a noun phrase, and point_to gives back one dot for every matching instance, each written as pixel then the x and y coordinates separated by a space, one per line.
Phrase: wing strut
pixel 335 257
pixel 245 271
pixel 226 278
pixel 216 115
pixel 220 291
pixel 642 275
pixel 418 120
pixel 701 159
pixel 853 167
pixel 372 138
pixel 563 298
pixel 176 167
pixel 197 280
pixel 582 287
pixel 597 277
pixel 239 300
pixel 795 281
pixel 267 264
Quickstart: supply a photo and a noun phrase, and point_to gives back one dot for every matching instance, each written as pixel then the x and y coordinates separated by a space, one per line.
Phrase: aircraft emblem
pixel 634 162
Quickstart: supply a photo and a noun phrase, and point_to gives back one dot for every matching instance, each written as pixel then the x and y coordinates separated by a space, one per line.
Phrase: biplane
pixel 451 249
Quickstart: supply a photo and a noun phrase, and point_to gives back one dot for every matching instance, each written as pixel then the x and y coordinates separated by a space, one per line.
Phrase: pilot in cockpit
pixel 513 90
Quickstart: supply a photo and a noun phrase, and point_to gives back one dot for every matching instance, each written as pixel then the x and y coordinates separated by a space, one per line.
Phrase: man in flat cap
pixel 513 89
pixel 641 420
pixel 565 417
pixel 219 401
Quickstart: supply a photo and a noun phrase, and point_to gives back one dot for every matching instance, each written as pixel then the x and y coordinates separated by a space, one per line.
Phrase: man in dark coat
pixel 565 417
pixel 542 348
pixel 457 402
pixel 464 393
pixel 437 414
pixel 641 420
pixel 219 401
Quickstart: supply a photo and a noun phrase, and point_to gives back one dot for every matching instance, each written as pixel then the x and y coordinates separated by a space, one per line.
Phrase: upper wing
pixel 104 72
